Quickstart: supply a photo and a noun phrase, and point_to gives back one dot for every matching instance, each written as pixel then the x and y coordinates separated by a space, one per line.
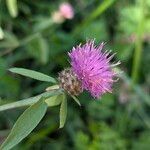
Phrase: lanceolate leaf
pixel 25 124
pixel 1 33
pixel 12 7
pixel 44 49
pixel 29 101
pixel 76 100
pixel 63 112
pixel 33 74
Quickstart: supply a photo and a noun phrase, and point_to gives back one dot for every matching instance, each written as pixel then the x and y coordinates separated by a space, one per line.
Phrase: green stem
pixel 100 9
pixel 138 48
pixel 137 59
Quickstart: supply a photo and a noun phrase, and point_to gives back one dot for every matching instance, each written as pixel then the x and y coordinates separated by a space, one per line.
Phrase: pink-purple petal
pixel 93 68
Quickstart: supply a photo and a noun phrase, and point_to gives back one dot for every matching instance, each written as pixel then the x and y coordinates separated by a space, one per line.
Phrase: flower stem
pixel 138 47
pixel 137 60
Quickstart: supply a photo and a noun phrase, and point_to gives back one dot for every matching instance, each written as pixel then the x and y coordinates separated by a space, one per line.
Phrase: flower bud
pixel 69 82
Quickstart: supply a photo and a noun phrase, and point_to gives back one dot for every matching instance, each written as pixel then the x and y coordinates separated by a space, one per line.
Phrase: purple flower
pixel 92 67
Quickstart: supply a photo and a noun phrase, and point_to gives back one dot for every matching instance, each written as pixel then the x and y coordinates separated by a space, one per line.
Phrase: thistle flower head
pixel 92 68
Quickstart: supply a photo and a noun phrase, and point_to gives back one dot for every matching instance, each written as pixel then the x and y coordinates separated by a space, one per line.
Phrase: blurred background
pixel 38 35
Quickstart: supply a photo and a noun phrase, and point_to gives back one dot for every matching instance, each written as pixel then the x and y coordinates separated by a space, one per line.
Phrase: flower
pixel 66 10
pixel 92 67
pixel 57 17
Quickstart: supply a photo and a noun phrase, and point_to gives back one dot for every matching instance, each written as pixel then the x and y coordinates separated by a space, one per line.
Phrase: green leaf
pixel 63 112
pixel 38 42
pixel 54 100
pixel 32 74
pixel 43 24
pixel 53 87
pixel 100 9
pixel 12 7
pixel 29 101
pixel 25 124
pixel 44 50
pixel 10 41
pixel 1 34
pixel 76 100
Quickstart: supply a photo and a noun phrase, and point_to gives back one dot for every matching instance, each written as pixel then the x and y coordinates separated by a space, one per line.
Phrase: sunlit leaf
pixel 12 7
pixel 53 87
pixel 1 33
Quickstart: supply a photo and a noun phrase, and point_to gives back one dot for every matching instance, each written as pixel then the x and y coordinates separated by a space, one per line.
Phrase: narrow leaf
pixel 54 100
pixel 76 100
pixel 53 87
pixel 12 7
pixel 44 50
pixel 43 24
pixel 100 9
pixel 25 124
pixel 63 112
pixel 1 34
pixel 28 101
pixel 32 74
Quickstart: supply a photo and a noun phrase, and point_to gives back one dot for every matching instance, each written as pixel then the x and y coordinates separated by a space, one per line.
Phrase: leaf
pixel 1 34
pixel 54 100
pixel 53 87
pixel 10 41
pixel 100 9
pixel 43 24
pixel 37 42
pixel 76 100
pixel 12 7
pixel 43 49
pixel 28 101
pixel 25 124
pixel 32 74
pixel 63 112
